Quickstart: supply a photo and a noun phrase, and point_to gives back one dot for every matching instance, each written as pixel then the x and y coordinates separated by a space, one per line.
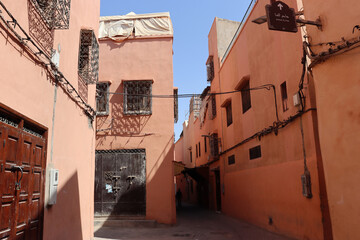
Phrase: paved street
pixel 192 223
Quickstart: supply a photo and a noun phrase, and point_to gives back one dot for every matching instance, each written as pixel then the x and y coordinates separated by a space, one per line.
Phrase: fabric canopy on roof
pixel 144 25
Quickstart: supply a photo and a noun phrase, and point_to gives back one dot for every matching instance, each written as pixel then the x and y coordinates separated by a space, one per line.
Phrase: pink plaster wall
pixel 143 59
pixel 26 89
pixel 337 95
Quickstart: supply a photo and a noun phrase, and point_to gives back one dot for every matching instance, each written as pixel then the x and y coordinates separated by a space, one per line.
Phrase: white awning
pixel 153 24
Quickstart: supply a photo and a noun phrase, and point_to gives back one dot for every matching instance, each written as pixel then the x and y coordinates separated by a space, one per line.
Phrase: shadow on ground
pixel 192 223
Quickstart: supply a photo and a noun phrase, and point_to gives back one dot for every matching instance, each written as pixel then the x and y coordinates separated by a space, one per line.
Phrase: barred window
pixel 213 107
pixel 56 13
pixel 214 145
pixel 210 68
pixel 102 98
pixel 137 97
pixel 88 66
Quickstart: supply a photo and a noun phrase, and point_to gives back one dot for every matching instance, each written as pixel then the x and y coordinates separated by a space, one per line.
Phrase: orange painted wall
pixel 337 85
pixel 143 59
pixel 26 89
pixel 270 186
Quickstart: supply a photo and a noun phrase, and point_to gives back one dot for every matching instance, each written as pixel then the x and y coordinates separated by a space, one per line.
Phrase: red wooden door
pixel 22 164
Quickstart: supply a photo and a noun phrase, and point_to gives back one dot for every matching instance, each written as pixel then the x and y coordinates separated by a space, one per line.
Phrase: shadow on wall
pixel 160 195
pixel 38 28
pixel 63 220
pixel 118 124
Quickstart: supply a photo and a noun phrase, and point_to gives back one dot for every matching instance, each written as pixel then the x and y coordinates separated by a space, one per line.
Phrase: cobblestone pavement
pixel 193 223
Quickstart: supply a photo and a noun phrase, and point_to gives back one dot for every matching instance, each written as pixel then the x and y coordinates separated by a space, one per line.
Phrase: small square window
pixel 137 97
pixel 231 160
pixel 255 152
pixel 102 98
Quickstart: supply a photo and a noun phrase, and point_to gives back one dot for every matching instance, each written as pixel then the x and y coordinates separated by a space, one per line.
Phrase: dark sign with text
pixel 280 17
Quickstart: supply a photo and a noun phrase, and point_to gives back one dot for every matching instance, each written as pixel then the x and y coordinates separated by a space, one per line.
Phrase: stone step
pixel 124 223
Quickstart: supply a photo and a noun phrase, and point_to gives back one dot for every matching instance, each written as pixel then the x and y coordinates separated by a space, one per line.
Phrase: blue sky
pixel 192 21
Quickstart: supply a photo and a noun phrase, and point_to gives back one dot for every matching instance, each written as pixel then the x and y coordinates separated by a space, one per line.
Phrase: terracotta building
pixel 335 70
pixel 255 140
pixel 135 129
pixel 48 64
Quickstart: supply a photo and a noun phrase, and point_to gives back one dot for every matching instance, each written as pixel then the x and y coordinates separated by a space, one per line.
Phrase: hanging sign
pixel 280 17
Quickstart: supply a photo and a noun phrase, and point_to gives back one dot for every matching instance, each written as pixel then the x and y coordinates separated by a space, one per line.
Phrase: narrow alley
pixel 192 223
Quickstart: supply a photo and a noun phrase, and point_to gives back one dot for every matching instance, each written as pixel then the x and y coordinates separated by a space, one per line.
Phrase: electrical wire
pixel 45 61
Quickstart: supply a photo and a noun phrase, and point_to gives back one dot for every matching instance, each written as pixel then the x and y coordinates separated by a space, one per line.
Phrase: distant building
pixel 135 129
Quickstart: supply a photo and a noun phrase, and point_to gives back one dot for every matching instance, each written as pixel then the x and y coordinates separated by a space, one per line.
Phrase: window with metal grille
pixel 56 13
pixel 137 97
pixel 231 160
pixel 102 98
pixel 255 152
pixel 213 107
pixel 284 96
pixel 214 147
pixel 228 114
pixel 245 96
pixel 88 66
pixel 176 106
pixel 210 68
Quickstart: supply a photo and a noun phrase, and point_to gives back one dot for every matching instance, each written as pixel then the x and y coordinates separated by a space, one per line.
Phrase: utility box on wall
pixel 54 181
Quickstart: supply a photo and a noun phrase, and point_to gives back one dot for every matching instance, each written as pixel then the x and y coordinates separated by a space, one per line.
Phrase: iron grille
pixel 176 106
pixel 39 29
pixel 213 107
pixel 56 13
pixel 88 56
pixel 102 98
pixel 29 131
pixel 214 145
pixel 139 150
pixel 137 97
pixel 210 68
pixel 8 122
pixel 195 103
pixel 255 152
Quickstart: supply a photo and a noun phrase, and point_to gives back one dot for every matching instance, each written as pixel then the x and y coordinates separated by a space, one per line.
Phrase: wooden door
pixel 120 183
pixel 218 190
pixel 22 164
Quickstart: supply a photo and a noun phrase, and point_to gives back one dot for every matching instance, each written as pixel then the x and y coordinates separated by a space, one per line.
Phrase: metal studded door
pixel 120 182
pixel 22 162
